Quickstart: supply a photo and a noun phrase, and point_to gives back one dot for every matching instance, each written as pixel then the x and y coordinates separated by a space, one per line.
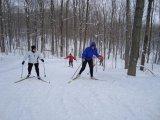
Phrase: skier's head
pixel 93 45
pixel 33 48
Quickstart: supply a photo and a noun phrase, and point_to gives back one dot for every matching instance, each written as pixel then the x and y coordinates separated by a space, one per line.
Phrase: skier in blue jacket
pixel 87 57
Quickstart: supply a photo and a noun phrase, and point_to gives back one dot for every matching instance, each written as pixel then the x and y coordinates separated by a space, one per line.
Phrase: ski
pixel 94 79
pixel 73 79
pixel 78 77
pixel 43 80
pixel 23 79
pixel 32 77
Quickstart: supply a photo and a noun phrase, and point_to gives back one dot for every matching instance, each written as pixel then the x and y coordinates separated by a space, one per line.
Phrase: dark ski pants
pixel 71 63
pixel 101 63
pixel 90 63
pixel 30 65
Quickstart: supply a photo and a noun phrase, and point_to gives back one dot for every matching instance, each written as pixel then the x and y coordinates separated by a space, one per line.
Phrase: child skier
pixel 101 61
pixel 87 57
pixel 33 56
pixel 71 58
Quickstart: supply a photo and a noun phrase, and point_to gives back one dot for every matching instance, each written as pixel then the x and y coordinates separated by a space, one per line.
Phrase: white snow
pixel 115 96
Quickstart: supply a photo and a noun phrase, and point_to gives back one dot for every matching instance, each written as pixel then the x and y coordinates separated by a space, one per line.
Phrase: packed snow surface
pixel 115 96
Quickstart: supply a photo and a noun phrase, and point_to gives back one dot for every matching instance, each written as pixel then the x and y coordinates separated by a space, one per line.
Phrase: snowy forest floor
pixel 115 96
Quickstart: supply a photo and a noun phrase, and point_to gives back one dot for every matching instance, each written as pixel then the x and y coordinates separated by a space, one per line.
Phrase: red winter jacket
pixel 101 58
pixel 71 58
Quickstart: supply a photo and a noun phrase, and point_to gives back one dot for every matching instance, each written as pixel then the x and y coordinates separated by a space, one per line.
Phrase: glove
pixel 23 62
pixel 42 60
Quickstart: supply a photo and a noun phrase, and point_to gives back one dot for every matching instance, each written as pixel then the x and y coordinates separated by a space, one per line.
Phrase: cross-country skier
pixel 87 57
pixel 33 59
pixel 71 58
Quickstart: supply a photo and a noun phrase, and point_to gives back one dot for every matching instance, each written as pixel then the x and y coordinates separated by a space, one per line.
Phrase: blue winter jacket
pixel 89 52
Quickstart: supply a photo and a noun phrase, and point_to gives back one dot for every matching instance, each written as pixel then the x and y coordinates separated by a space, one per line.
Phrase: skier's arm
pixel 96 53
pixel 84 54
pixel 66 57
pixel 25 58
pixel 40 57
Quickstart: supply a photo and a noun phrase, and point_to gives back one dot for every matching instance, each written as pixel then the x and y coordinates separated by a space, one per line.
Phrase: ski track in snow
pixel 115 96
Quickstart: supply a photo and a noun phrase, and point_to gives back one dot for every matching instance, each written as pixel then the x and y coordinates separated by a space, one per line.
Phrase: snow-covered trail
pixel 115 96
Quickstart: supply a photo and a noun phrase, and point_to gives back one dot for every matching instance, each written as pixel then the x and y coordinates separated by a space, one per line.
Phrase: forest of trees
pixel 126 28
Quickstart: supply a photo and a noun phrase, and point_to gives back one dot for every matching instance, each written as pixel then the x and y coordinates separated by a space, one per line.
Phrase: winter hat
pixel 92 44
pixel 33 47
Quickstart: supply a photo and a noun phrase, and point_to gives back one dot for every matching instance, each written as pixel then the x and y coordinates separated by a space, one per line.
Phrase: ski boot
pixel 38 77
pixel 28 76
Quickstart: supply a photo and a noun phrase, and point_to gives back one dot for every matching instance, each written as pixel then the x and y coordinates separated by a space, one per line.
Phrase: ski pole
pixel 44 70
pixel 76 70
pixel 22 71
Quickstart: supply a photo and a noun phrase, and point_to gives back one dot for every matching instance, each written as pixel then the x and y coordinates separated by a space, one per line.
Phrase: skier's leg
pixel 91 67
pixel 29 68
pixel 72 63
pixel 83 66
pixel 69 63
pixel 37 68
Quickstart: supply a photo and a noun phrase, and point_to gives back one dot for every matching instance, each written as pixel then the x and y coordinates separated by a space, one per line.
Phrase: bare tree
pixel 136 36
pixel 18 27
pixel 81 16
pixel 150 34
pixel 52 26
pixel 104 36
pixel 2 41
pixel 86 25
pixel 61 30
pixel 158 43
pixel 27 11
pixel 146 38
pixel 67 40
pixel 75 26
pixel 41 10
pixel 9 24
pixel 35 26
pixel 128 33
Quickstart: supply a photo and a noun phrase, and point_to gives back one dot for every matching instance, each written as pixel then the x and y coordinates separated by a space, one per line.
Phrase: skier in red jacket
pixel 101 60
pixel 71 58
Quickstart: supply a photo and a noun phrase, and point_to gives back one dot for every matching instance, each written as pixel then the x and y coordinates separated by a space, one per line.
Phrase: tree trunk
pixel 150 34
pixel 136 36
pixel 9 25
pixel 41 10
pixel 18 28
pixel 158 44
pixel 67 40
pixel 104 39
pixel 52 27
pixel 27 11
pixel 75 26
pixel 86 25
pixel 146 38
pixel 61 30
pixel 128 33
pixel 2 41
pixel 81 15
pixel 35 29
